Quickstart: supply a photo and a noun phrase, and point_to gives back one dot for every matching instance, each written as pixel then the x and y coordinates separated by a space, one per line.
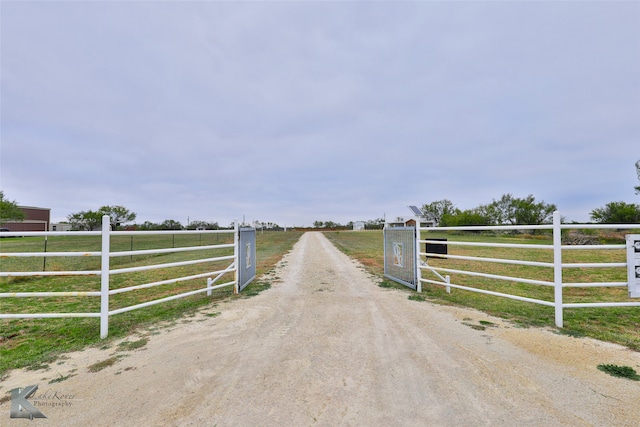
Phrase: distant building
pixel 60 226
pixel 36 219
pixel 402 222
pixel 409 222
pixel 358 225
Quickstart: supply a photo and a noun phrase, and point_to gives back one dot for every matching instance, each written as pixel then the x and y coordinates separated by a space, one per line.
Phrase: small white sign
pixel 633 264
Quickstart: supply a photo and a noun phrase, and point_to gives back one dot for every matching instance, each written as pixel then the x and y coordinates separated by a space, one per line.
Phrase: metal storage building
pixel 36 219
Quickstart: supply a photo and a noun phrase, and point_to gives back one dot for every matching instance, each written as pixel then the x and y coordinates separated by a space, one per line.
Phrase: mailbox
pixel 633 264
pixel 436 248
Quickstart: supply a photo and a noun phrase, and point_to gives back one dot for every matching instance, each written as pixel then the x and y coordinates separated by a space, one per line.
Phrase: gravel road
pixel 326 346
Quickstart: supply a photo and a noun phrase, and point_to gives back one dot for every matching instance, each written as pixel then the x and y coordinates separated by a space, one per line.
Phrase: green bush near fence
pixel 620 325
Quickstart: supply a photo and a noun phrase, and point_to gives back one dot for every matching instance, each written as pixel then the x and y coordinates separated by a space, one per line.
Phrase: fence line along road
pixel 242 267
pixel 417 271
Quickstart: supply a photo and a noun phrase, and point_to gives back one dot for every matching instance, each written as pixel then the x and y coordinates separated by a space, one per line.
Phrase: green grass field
pixel 618 325
pixel 37 342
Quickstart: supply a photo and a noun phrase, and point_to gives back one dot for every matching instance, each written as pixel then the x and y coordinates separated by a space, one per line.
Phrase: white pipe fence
pixel 105 272
pixel 557 266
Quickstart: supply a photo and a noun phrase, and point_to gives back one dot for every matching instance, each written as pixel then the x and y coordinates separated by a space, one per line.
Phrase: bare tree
pixel 637 188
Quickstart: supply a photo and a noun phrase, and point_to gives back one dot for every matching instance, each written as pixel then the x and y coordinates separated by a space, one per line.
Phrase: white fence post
pixel 104 277
pixel 209 283
pixel 557 268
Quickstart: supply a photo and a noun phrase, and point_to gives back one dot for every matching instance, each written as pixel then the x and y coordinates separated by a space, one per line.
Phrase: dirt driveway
pixel 326 346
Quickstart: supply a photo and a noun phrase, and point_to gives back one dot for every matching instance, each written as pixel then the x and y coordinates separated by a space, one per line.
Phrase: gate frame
pixel 246 260
pixel 414 256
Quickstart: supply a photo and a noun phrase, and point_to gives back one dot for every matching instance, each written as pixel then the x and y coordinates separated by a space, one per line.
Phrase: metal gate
pixel 400 255
pixel 246 257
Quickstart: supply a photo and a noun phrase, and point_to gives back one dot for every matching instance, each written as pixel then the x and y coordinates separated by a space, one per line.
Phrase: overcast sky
pixel 292 112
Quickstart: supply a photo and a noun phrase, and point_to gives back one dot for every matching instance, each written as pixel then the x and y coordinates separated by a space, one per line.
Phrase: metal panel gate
pixel 400 255
pixel 246 257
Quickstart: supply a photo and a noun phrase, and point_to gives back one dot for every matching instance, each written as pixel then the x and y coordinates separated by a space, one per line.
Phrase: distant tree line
pixel 617 213
pixel 121 217
pixel 171 224
pixel 92 220
pixel 269 226
pixel 510 210
pixel 373 224
pixel 329 224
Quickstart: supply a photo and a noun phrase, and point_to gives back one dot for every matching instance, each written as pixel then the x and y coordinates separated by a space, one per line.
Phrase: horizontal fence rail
pixel 555 266
pixel 106 271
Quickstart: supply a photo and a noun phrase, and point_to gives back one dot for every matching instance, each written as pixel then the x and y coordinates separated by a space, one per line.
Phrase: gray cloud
pixel 294 112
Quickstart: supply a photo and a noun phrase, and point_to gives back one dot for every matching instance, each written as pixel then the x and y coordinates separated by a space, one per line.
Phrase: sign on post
pixel 633 264
pixel 436 248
